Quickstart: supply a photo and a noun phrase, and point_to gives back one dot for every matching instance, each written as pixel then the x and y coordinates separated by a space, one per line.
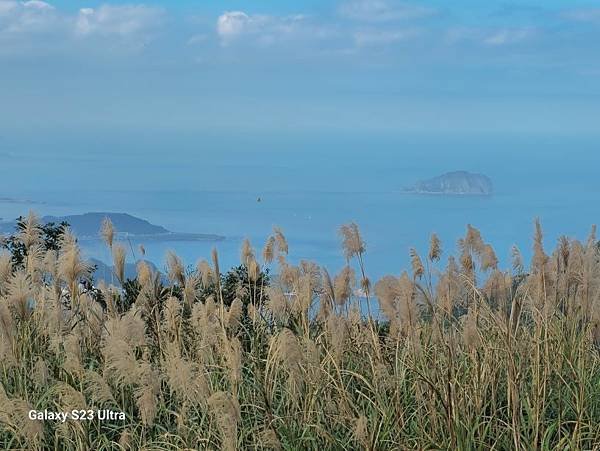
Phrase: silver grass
pixel 352 242
pixel 97 389
pixel 234 315
pixel 276 303
pixel 107 232
pixel 40 373
pixel 289 275
pixel 190 289
pixel 175 269
pixel 232 351
pixel 145 274
pixel 20 295
pixel 517 260
pixel 14 418
pixel 119 256
pixel 172 317
pixel 186 379
pixel 268 439
pixel 73 355
pixel 253 270
pixel 361 432
pixel 280 240
pixel 337 335
pixel 6 269
pixel 31 233
pixel 226 412
pixel 269 250
pixel 147 392
pixel 206 273
pixel 417 264
pixel 488 258
pixel 247 253
pixel 539 256
pixel 343 285
pixel 328 288
pixel 435 248
pixel 473 242
pixel 287 352
pixel 71 267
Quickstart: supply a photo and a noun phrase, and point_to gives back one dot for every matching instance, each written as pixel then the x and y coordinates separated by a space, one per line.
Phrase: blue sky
pixel 333 65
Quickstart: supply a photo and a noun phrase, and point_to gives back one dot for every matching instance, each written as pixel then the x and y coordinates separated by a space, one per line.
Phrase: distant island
pixel 10 200
pixel 455 183
pixel 87 227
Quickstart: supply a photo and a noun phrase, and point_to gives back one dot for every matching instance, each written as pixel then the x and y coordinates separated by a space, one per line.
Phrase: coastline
pixel 448 194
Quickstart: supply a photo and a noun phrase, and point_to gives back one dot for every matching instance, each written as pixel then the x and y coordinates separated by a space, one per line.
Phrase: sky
pixel 308 65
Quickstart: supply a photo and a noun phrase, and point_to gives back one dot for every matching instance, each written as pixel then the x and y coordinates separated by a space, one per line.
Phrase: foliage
pixel 459 355
pixel 236 284
pixel 51 234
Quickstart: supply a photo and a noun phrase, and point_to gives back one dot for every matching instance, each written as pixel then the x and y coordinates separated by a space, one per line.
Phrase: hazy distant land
pixel 11 200
pixel 455 183
pixel 87 226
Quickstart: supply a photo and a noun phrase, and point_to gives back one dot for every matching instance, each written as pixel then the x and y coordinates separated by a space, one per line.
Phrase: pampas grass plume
pixel 269 250
pixel 107 232
pixel 119 256
pixel 175 268
pixel 435 248
pixel 352 242
pixel 417 264
pixel 226 411
pixel 280 240
pixel 247 253
pixel 343 285
pixel 30 235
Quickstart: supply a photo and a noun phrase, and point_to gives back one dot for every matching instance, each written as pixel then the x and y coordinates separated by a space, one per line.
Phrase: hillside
pixel 86 227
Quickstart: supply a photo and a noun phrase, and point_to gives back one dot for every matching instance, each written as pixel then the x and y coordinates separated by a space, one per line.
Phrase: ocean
pixel 308 184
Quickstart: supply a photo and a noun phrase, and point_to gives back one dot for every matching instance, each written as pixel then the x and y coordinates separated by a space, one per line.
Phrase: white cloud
pixel 497 37
pixel 197 39
pixel 583 15
pixel 37 4
pixel 268 30
pixel 29 16
pixel 265 29
pixel 36 27
pixel 508 36
pixel 37 15
pixel 123 20
pixel 233 23
pixel 7 6
pixel 366 38
pixel 382 10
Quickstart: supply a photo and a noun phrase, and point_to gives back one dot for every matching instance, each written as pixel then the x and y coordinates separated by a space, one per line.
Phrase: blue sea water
pixel 309 184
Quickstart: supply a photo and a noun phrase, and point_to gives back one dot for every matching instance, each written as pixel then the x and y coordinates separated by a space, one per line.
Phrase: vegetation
pixel 48 239
pixel 466 355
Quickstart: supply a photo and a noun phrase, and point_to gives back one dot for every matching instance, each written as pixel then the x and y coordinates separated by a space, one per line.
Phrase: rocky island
pixel 461 183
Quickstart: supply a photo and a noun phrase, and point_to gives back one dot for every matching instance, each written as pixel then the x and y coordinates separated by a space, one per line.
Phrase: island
pixel 87 226
pixel 11 200
pixel 461 183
